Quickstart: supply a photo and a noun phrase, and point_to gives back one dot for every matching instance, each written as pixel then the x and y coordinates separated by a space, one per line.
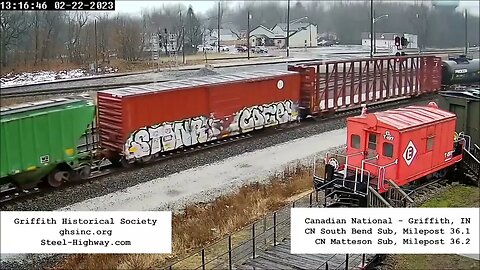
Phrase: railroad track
pixel 103 168
pixel 427 190
pixel 6 93
pixel 70 90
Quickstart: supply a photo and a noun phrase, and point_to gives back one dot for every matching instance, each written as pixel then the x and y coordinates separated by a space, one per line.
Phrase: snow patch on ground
pixel 205 183
pixel 27 78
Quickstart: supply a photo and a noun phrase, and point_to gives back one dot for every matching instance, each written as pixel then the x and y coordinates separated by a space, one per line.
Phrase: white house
pixel 261 35
pixel 387 40
pixel 301 34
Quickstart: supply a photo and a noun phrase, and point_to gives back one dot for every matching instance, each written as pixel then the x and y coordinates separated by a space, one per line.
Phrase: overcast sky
pixel 201 6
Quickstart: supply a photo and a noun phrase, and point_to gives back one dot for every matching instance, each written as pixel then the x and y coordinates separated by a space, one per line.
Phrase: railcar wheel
pixel 84 172
pixel 57 177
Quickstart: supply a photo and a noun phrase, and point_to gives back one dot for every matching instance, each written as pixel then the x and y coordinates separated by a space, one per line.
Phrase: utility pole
pixel 248 35
pixel 218 29
pixel 96 46
pixel 288 29
pixel 183 38
pixel 371 28
pixel 183 44
pixel 466 33
pixel 374 38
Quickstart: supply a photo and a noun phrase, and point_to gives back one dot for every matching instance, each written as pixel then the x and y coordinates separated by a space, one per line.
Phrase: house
pixel 262 36
pixel 301 34
pixel 387 40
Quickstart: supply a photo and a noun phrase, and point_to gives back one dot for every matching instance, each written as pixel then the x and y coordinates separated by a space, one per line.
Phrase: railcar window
pixel 387 149
pixel 430 143
pixel 355 142
pixel 372 141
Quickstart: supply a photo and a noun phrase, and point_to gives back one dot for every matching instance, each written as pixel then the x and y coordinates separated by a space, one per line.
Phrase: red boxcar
pixel 403 144
pixel 141 121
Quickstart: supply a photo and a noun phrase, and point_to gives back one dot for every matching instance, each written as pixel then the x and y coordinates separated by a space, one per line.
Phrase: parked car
pixel 242 49
pixel 326 43
pixel 224 48
pixel 207 48
pixel 261 49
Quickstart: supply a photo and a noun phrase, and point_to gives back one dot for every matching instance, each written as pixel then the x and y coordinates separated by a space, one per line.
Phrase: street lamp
pixel 218 28
pixel 373 30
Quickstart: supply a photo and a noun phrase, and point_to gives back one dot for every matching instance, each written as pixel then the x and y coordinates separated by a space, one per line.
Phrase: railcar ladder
pixel 471 163
pixel 397 196
pixel 374 199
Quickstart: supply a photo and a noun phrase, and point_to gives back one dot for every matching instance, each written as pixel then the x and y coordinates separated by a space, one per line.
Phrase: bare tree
pixel 13 24
pixel 193 33
pixel 76 22
pixel 51 21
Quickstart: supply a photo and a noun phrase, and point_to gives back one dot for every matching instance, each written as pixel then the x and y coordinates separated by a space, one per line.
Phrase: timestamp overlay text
pixel 385 230
pixel 86 232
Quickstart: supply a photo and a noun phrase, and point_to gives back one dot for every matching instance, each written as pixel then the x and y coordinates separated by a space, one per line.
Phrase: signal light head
pixel 397 41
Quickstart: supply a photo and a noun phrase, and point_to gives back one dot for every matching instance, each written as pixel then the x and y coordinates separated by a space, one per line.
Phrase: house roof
pixel 405 118
pixel 293 26
pixel 269 34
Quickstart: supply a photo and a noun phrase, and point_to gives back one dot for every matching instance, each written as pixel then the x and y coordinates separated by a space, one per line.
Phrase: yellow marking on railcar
pixel 69 151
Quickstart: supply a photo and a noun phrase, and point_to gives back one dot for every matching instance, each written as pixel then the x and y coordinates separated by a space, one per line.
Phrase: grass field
pixel 456 196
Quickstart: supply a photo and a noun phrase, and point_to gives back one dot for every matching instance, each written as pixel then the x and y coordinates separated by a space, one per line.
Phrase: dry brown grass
pixel 54 65
pixel 200 225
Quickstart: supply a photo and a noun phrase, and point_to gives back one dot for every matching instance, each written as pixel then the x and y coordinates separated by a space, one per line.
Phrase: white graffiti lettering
pixel 187 132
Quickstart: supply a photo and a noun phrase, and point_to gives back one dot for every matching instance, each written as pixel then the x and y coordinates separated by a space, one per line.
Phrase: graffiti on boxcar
pixel 258 117
pixel 171 135
pixel 168 136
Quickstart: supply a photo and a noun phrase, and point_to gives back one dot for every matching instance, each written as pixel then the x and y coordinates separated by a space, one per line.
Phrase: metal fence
pixel 245 244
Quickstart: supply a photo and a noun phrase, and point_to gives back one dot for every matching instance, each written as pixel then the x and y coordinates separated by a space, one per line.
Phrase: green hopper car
pixel 38 141
pixel 465 103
